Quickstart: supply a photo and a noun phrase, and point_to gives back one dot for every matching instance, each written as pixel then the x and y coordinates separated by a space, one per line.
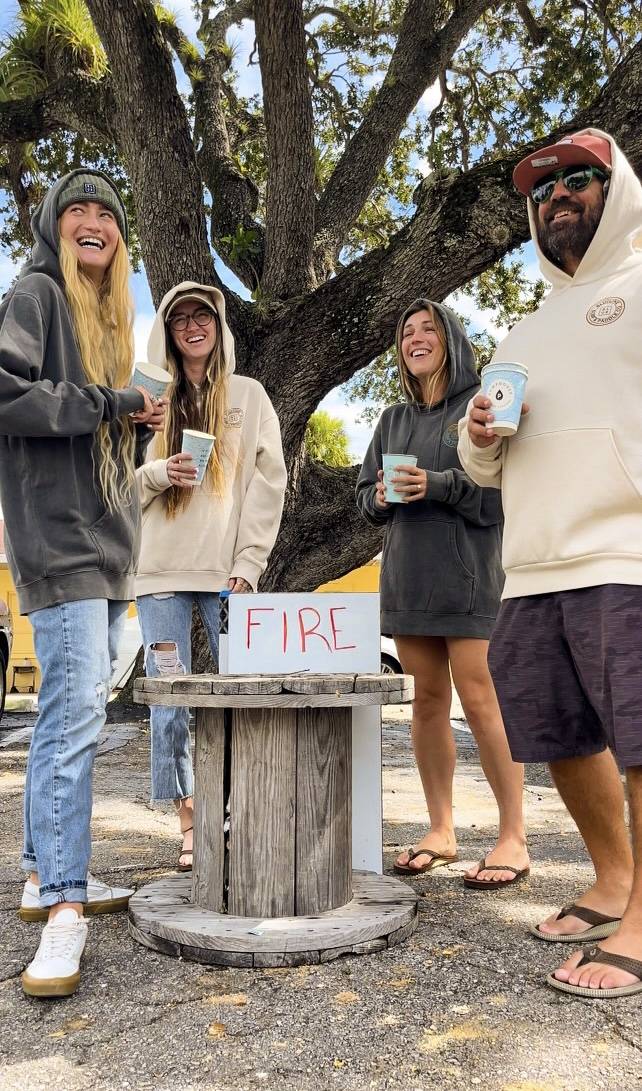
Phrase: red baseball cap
pixel 577 149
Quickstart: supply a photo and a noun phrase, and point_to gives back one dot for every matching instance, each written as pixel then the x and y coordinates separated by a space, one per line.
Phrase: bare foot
pixel 610 901
pixel 445 844
pixel 509 850
pixel 597 975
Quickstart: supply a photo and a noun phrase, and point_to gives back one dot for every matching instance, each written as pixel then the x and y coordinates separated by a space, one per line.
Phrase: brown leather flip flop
pixel 488 884
pixel 436 859
pixel 601 925
pixel 596 954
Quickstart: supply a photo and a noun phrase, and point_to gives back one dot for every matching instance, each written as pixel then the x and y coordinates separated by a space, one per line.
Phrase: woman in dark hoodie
pixel 441 580
pixel 68 437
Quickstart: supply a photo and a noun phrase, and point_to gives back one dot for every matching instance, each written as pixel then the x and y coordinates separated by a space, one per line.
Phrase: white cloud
pixel 142 328
pixel 430 98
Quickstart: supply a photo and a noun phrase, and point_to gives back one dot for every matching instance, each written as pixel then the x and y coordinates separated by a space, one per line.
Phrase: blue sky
pixel 242 39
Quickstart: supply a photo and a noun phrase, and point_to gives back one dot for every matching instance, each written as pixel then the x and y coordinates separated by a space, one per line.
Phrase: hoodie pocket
pixel 422 569
pixel 116 536
pixel 568 495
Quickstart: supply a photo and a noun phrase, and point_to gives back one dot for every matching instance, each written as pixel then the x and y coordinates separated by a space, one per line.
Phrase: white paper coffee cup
pixel 389 463
pixel 199 445
pixel 152 378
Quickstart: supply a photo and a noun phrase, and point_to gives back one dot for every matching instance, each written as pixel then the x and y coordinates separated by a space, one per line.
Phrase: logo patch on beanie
pixel 605 311
pixel 89 187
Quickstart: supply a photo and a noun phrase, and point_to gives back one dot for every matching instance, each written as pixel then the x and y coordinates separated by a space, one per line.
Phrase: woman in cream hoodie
pixel 200 539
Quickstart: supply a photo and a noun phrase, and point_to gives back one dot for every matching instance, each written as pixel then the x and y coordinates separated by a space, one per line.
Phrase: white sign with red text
pixel 323 633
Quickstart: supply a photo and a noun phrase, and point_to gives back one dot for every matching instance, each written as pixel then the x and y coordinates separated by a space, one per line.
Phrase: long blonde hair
pixel 410 384
pixel 183 412
pixel 103 322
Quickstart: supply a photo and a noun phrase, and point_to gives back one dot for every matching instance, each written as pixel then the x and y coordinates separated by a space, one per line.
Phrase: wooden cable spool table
pixel 272 882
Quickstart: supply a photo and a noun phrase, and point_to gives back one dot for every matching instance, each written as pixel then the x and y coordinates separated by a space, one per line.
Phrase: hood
pixel 157 346
pixel 461 356
pixel 617 241
pixel 44 226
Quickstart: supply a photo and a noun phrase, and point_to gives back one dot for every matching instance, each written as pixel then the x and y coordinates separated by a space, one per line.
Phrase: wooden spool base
pixel 382 913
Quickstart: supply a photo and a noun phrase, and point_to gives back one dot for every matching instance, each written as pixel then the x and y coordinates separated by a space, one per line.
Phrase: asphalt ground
pixel 460 1005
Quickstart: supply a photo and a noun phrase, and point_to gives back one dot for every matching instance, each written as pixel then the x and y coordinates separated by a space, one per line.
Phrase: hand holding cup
pixel 480 421
pixel 181 470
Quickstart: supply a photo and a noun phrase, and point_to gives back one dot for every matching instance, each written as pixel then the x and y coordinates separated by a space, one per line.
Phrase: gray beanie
pixel 93 187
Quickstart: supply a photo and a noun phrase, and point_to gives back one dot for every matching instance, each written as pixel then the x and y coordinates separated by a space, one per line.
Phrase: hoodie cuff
pixel 439 485
pixel 251 573
pixel 129 401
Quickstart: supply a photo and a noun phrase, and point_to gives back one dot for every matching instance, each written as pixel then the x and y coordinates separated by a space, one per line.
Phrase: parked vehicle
pixel 389 661
pixel 6 640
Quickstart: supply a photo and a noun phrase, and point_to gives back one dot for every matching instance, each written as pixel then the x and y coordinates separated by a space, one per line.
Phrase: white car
pixel 389 660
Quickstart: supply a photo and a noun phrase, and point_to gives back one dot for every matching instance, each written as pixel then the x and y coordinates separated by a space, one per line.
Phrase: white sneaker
pixel 55 968
pixel 100 899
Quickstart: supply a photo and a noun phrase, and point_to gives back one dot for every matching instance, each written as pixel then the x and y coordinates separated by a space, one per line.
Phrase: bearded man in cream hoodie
pixel 566 654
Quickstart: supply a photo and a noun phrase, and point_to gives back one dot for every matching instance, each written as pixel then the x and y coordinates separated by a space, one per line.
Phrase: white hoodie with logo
pixel 571 477
pixel 214 537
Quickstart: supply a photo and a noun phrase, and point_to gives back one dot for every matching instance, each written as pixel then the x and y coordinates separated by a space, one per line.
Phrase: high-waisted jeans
pixel 166 618
pixel 76 645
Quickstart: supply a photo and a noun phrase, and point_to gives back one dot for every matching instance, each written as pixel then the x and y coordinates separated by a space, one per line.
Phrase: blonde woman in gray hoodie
pixel 200 539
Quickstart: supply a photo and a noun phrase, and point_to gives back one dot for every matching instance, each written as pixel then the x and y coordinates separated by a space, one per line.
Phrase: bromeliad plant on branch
pixel 374 166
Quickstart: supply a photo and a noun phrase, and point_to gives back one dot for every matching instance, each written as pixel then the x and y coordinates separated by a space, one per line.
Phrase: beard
pixel 569 240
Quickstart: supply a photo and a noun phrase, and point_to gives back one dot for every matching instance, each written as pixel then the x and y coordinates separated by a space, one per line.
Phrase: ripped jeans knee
pixel 164 657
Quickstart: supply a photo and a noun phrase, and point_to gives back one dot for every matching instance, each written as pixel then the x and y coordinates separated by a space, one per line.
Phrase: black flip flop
pixel 185 852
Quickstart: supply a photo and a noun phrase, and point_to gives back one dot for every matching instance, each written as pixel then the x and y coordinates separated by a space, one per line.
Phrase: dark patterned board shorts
pixel 567 668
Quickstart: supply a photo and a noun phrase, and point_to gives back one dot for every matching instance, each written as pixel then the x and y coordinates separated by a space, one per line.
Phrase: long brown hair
pixel 410 384
pixel 183 412
pixel 103 322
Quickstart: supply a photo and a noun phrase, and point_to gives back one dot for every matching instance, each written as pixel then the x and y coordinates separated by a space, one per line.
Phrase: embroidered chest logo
pixel 234 418
pixel 605 311
pixel 451 436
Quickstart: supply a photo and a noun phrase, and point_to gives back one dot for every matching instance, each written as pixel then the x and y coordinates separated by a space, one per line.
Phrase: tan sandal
pixel 601 926
pixel 596 954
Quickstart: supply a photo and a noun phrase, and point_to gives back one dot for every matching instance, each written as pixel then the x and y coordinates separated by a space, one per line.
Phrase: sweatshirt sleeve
pixel 260 515
pixel 482 464
pixel 152 480
pixel 36 407
pixel 366 487
pixel 454 487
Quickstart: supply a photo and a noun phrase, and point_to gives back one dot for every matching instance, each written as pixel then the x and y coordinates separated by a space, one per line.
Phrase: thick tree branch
pixel 422 51
pixel 234 196
pixel 537 33
pixel 323 529
pixel 155 141
pixel 464 223
pixel 77 103
pixel 289 123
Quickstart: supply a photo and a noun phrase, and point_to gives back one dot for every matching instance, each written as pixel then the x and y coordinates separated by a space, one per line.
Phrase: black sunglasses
pixel 180 322
pixel 575 179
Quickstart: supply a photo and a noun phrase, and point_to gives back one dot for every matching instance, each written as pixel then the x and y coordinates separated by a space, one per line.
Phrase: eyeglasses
pixel 575 179
pixel 180 322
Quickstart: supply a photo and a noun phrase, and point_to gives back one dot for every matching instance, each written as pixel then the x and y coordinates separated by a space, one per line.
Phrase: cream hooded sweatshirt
pixel 215 537
pixel 571 478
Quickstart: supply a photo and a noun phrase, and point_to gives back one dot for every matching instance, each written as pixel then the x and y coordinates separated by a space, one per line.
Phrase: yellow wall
pixel 23 650
pixel 365 578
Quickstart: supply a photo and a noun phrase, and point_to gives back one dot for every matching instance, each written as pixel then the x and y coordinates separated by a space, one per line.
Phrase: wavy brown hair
pixel 103 323
pixel 410 384
pixel 183 412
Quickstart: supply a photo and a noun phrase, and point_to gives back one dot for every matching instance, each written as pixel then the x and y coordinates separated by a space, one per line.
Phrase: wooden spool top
pixel 274 690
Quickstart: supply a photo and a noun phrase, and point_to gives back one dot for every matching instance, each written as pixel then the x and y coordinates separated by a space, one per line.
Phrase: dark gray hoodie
pixel 61 542
pixel 441 572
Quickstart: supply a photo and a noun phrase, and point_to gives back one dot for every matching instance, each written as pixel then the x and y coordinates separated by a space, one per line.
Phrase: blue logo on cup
pixel 505 384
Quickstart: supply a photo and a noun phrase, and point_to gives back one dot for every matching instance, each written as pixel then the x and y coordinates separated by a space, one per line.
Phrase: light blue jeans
pixel 166 618
pixel 76 645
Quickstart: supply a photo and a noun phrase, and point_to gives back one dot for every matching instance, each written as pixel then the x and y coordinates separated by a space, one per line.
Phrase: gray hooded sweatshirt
pixel 441 572
pixel 62 544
